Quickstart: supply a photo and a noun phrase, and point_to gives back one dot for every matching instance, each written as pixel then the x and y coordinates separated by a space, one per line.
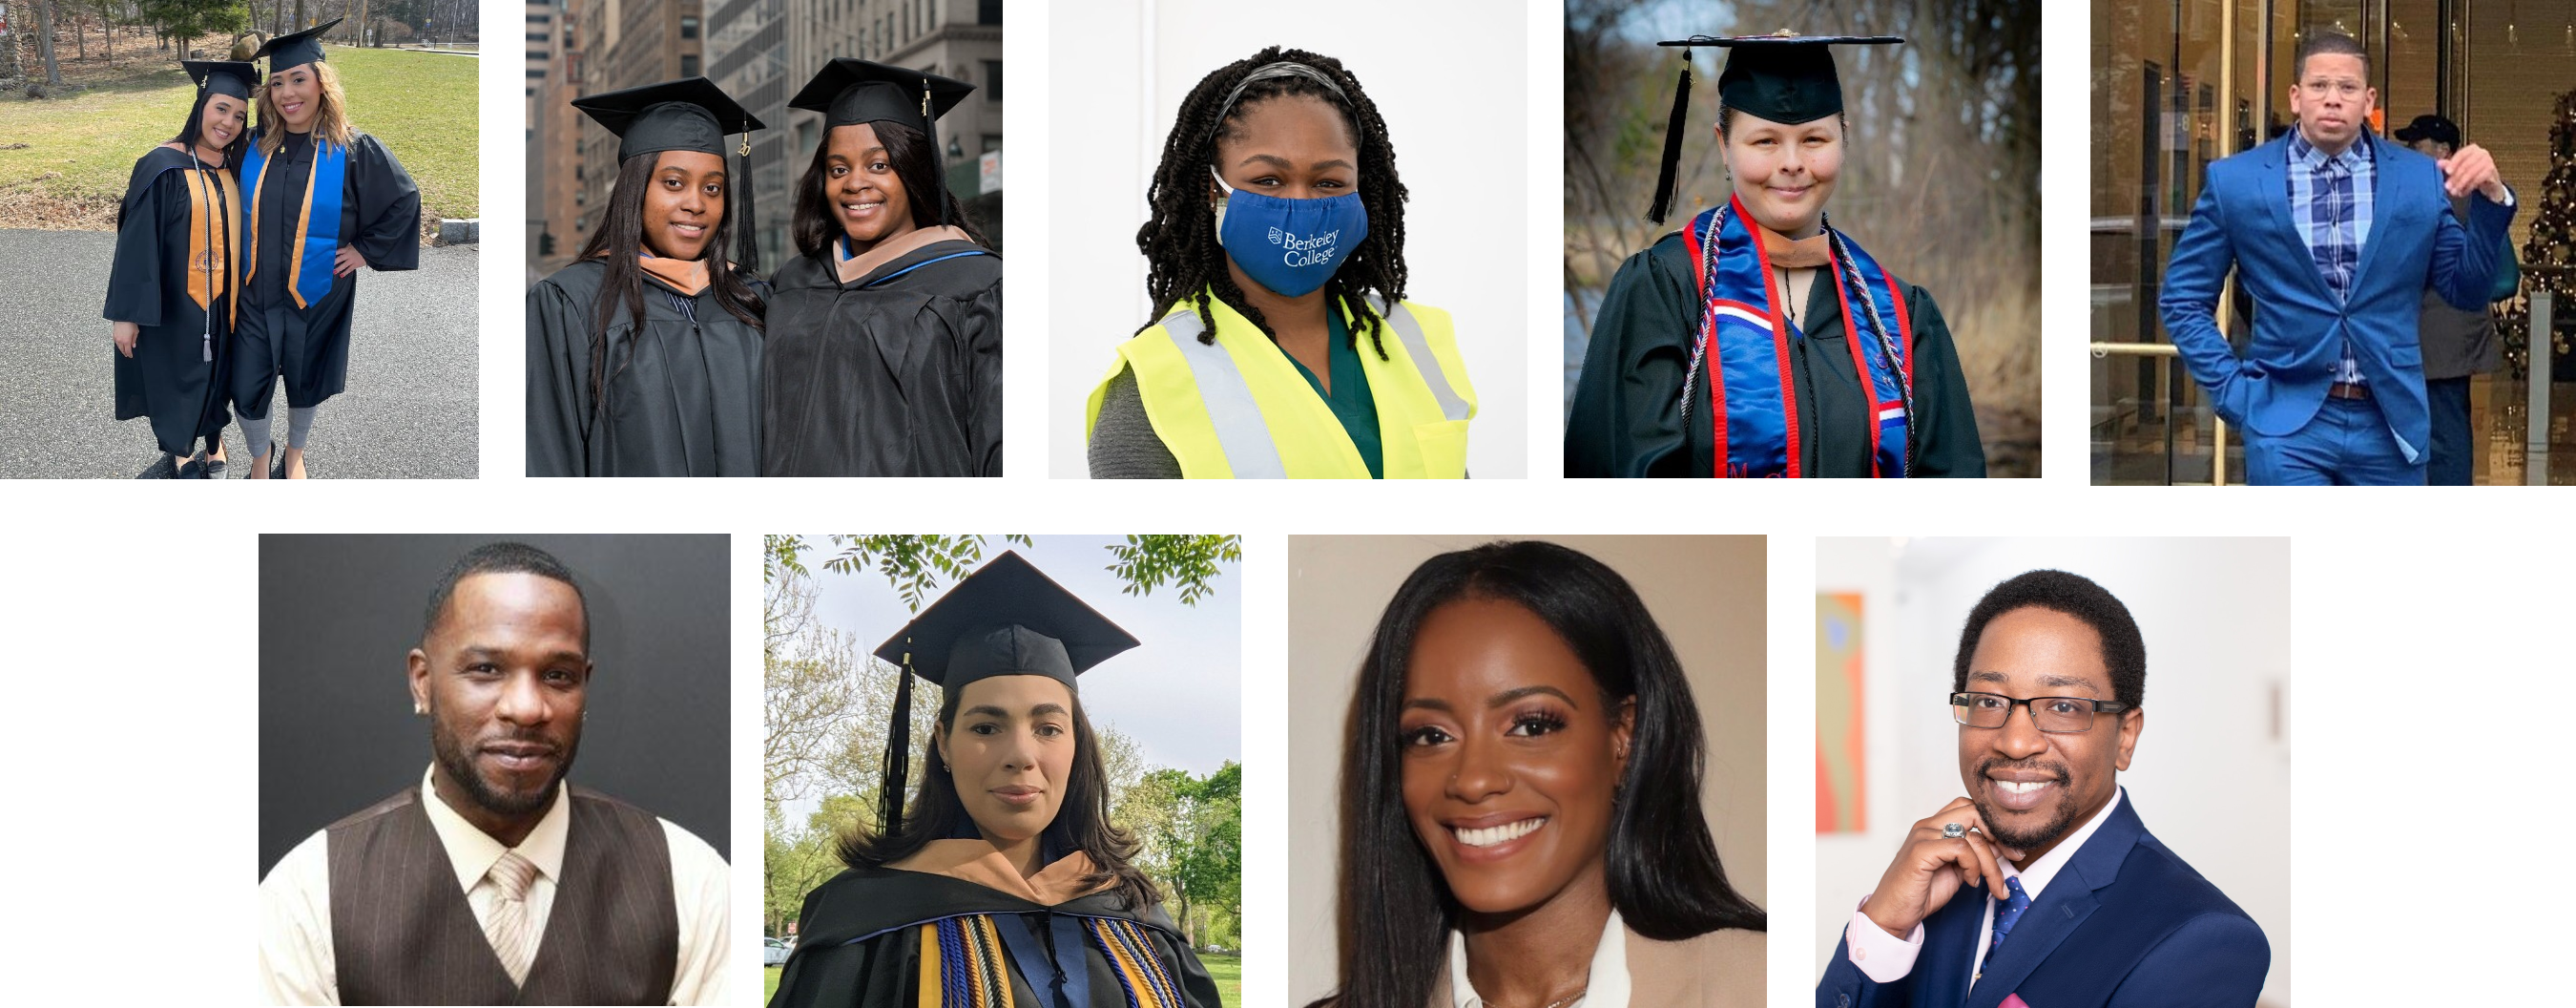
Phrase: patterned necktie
pixel 513 935
pixel 2007 914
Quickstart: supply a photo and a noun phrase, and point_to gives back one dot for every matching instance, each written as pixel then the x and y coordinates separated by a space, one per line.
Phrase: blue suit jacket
pixel 2125 923
pixel 2243 221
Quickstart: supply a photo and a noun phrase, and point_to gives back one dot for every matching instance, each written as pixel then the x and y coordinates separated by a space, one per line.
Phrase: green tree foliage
pixel 917 565
pixel 1189 832
pixel 187 19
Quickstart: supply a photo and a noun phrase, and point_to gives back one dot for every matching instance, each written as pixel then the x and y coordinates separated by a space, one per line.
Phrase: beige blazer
pixel 1720 969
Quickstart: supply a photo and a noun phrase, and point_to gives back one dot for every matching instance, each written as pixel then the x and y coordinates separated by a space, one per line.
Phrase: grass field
pixel 78 151
pixel 1227 971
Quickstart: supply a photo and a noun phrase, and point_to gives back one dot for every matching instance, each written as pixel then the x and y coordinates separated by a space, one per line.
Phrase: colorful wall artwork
pixel 1842 769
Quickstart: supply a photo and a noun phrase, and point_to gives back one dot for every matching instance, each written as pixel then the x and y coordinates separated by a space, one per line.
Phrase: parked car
pixel 774 952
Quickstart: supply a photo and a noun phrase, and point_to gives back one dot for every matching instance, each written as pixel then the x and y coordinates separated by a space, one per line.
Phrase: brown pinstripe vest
pixel 402 933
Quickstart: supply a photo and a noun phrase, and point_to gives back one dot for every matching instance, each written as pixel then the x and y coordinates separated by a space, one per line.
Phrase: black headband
pixel 1271 71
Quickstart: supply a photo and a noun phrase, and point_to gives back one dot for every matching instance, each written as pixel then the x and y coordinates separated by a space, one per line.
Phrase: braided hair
pixel 1185 261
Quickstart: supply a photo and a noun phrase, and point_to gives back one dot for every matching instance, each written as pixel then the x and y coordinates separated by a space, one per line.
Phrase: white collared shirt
pixel 1608 987
pixel 1885 958
pixel 295 952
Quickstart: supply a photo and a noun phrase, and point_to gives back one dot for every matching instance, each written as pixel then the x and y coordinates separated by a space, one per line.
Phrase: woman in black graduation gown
pixel 172 292
pixel 644 354
pixel 885 332
pixel 1005 882
pixel 325 201
pixel 1718 351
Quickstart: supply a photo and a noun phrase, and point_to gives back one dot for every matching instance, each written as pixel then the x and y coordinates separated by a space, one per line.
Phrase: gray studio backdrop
pixel 337 614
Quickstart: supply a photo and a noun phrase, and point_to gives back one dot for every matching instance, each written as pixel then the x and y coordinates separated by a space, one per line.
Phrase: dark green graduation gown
pixel 683 391
pixel 859 944
pixel 177 374
pixel 1627 419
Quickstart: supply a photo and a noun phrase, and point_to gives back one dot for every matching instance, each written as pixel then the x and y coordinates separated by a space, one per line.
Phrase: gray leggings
pixel 299 425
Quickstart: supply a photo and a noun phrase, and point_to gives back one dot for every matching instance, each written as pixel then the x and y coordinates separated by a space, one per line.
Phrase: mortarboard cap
pixel 1785 78
pixel 1007 618
pixel 223 77
pixel 691 114
pixel 852 91
pixel 294 49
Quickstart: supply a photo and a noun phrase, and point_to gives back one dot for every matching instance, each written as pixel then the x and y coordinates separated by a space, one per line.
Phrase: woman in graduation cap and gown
pixel 174 289
pixel 322 202
pixel 1004 882
pixel 1759 340
pixel 644 354
pixel 885 331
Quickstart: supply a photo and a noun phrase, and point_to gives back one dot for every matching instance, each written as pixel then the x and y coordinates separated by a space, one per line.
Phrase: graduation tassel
pixel 1672 145
pixel 746 247
pixel 898 754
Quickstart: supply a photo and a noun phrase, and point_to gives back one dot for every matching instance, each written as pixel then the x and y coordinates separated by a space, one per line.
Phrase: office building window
pixel 993 81
pixel 988 12
pixel 992 142
pixel 688 27
pixel 536 73
pixel 688 65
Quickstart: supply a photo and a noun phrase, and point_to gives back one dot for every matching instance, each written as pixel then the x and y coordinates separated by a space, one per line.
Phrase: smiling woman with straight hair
pixel 1758 340
pixel 644 354
pixel 1520 814
pixel 174 291
pixel 1003 882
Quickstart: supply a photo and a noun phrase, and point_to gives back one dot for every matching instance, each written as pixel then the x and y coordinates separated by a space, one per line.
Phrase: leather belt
pixel 2347 390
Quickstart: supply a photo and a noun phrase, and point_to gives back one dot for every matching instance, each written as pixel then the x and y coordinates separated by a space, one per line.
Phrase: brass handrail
pixel 2165 354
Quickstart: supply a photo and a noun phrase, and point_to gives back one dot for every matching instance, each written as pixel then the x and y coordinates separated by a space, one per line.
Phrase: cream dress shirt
pixel 1608 987
pixel 1885 958
pixel 295 966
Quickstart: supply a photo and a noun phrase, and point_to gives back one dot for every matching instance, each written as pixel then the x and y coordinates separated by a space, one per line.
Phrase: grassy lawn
pixel 78 151
pixel 1225 969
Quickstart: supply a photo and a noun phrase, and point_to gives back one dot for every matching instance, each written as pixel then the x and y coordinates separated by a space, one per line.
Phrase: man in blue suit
pixel 2336 235
pixel 2094 910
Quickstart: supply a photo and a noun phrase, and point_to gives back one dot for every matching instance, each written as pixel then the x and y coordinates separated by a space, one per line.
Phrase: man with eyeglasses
pixel 2336 235
pixel 2075 903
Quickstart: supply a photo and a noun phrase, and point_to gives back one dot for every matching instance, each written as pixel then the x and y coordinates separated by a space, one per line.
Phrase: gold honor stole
pixel 211 258
pixel 962 965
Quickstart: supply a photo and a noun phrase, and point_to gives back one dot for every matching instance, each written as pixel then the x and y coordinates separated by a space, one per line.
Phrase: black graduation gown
pixel 859 943
pixel 683 395
pixel 309 346
pixel 897 373
pixel 1627 403
pixel 169 378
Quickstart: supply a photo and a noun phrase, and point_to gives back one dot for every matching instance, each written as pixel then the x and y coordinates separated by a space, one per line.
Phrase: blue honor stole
pixel 1752 406
pixel 317 225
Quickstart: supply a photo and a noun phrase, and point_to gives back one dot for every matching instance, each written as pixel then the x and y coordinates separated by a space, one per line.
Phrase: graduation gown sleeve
pixel 134 279
pixel 388 207
pixel 1948 427
pixel 558 377
pixel 1626 420
pixel 981 319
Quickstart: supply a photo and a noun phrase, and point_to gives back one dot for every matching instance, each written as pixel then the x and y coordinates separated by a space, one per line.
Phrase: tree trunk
pixel 300 23
pixel 80 39
pixel 45 41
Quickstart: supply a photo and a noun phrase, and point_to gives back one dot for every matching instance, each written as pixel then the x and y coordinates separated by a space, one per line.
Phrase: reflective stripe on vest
pixel 1230 406
pixel 1410 333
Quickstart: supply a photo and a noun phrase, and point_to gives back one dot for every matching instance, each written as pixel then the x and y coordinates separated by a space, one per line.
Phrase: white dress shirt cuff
pixel 1882 957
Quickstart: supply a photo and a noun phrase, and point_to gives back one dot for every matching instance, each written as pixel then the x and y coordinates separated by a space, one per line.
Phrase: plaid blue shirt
pixel 2333 195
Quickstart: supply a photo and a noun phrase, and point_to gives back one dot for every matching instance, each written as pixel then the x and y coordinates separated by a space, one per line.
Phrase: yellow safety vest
pixel 1238 408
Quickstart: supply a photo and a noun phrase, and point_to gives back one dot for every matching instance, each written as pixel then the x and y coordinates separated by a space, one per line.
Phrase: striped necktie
pixel 512 933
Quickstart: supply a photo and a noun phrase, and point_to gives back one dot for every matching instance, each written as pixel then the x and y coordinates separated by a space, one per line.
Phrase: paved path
pixel 409 411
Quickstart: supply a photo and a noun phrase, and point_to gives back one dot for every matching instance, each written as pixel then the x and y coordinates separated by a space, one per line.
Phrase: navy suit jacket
pixel 2243 222
pixel 2125 923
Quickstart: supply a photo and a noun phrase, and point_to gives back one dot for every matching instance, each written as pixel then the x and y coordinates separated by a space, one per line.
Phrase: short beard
pixel 2056 827
pixel 452 757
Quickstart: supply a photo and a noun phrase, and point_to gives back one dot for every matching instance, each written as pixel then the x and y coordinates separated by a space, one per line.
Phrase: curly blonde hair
pixel 330 123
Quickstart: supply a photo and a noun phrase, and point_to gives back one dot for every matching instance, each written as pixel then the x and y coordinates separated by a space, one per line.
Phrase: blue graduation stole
pixel 1752 407
pixel 317 225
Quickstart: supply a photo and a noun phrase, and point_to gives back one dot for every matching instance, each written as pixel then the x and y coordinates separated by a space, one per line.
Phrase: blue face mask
pixel 1290 246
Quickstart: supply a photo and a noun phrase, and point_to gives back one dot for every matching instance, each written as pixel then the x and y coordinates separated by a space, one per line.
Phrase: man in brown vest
pixel 492 881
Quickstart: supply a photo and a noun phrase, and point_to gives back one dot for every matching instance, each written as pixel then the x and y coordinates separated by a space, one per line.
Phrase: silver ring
pixel 1953 831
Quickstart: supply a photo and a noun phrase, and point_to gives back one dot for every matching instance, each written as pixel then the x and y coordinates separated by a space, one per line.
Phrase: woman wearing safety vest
pixel 1282 345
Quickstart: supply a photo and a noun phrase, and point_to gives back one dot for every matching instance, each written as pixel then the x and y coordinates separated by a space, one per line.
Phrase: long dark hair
pixel 1663 873
pixel 620 236
pixel 196 126
pixel 1184 260
pixel 915 162
pixel 1081 823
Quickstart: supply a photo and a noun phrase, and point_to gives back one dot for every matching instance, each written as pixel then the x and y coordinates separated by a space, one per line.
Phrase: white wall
pixel 2209 776
pixel 1118 71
